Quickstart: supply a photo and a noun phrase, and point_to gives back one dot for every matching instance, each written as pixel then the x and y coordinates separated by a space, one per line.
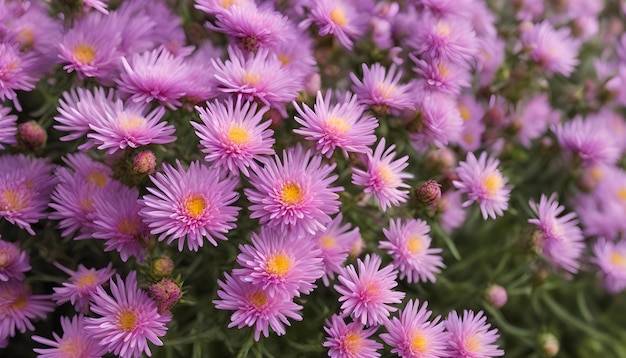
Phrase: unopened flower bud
pixel 161 266
pixel 495 117
pixel 429 193
pixel 144 162
pixel 31 135
pixel 441 159
pixel 496 295
pixel 549 344
pixel 165 293
pixel 312 84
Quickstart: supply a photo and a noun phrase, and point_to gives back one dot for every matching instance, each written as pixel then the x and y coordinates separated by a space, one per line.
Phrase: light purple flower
pixel 610 257
pixel 441 76
pixel 350 340
pixel 451 40
pixel 381 90
pixel 74 343
pixel 581 138
pixel 339 18
pixel 8 127
pixel 13 262
pixel 441 122
pixel 335 242
pixel 554 50
pixel 15 70
pixel 471 337
pixel 80 288
pixel 533 117
pixel 77 110
pixel 18 307
pixel 217 7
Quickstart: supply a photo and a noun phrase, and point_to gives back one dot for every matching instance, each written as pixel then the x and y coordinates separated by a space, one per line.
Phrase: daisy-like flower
pixel 335 242
pixel 555 51
pixel 217 7
pixel 190 205
pixel 414 336
pixel 232 135
pixel 452 213
pixel 259 76
pixel 128 319
pixel 18 306
pixel 581 138
pixel 447 39
pixel 483 182
pixel 408 243
pixel 14 73
pixel 255 308
pixel 471 337
pixel 154 76
pixel 77 109
pixel 384 177
pixel 81 285
pixel 280 264
pixel 442 76
pixel 441 122
pixel 339 18
pixel 350 340
pixel 117 126
pixel 13 262
pixel 368 294
pixel 8 127
pixel 611 259
pixel 340 126
pixel 294 194
pixel 559 239
pixel 74 343
pixel 381 90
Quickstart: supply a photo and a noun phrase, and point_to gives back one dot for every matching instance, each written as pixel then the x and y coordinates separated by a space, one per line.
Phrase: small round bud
pixel 429 193
pixel 161 267
pixel 549 344
pixel 441 159
pixel 165 293
pixel 144 162
pixel 495 117
pixel 31 135
pixel 496 295
pixel 312 84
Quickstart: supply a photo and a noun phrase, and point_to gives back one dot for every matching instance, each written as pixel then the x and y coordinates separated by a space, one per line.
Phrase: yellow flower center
pixel 258 299
pixel 72 347
pixel 414 245
pixel 328 241
pixel 227 3
pixel 127 227
pixel 338 16
pixel 238 135
pixel 618 259
pixel 251 78
pixel 596 173
pixel 26 38
pixel 88 279
pixel 84 53
pixel 443 69
pixel 419 343
pixel 493 183
pixel 284 59
pixel 465 112
pixel 127 320
pixel 443 28
pixel 384 90
pixel 338 125
pixel 279 264
pixel 19 303
pixel 291 194
pixel 353 342
pixel 86 205
pixel 468 138
pixel 195 205
pixel 132 122
pixel 97 178
pixel 621 194
pixel 13 200
pixel 472 343
pixel 385 174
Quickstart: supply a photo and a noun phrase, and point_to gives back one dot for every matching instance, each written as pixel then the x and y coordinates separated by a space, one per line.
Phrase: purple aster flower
pixel 15 73
pixel 77 109
pixel 80 288
pixel 442 76
pixel 441 122
pixel 254 28
pixel 294 194
pixel 190 205
pixel 554 50
pixel 74 343
pixel 136 23
pixel 611 259
pixel 18 306
pixel 8 127
pixel 350 340
pixel 446 39
pixel 384 176
pixel 117 220
pixel 339 18
pixel 408 243
pixel 533 117
pixel 414 336
pixel 491 56
pixel 168 30
pixel 452 213
pixel 13 262
pixel 154 76
pixel 581 137
pixel 368 294
pixel 335 242
pixel 232 135
pixel 381 90
pixel 471 337
pixel 217 7
pixel 483 182
pixel 454 9
pixel 559 239
pixel 255 308
pixel 297 55
pixel 280 264
pixel 128 319
pixel 259 76
pixel 342 125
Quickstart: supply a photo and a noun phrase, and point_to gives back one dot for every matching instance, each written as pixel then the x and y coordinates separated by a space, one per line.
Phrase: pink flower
pixel 15 73
pixel 471 337
pixel 368 294
pixel 611 259
pixel 335 242
pixel 350 340
pixel 554 50
pixel 81 285
pixel 13 262
pixel 128 319
pixel 381 90
pixel 339 18
pixel 18 306
pixel 74 342
pixel 8 127
pixel 583 139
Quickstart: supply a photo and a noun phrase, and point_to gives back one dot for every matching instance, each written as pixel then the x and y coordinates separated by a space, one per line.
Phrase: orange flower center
pixel 279 264
pixel 84 53
pixel 97 178
pixel 127 320
pixel 258 299
pixel 338 16
pixel 353 343
pixel 127 227
pixel 13 200
pixel 414 245
pixel 493 183
pixel 291 194
pixel 86 280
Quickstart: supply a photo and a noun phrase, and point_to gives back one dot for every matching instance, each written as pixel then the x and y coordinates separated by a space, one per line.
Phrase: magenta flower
pixel 559 239
pixel 442 76
pixel 342 125
pixel 232 135
pixel 217 7
pixel 128 319
pixel 335 242
pixel 414 336
pixel 368 294
pixel 381 90
pixel 452 213
pixel 8 127
pixel 74 341
pixel 280 264
pixel 384 177
pixel 339 18
pixel 13 262
pixel 533 118
pixel 255 308
pixel 483 182
pixel 81 285
pixel 18 306
pixel 154 76
pixel 583 139
pixel 556 51
pixel 190 205
pixel 471 337
pixel 409 245
pixel 15 73
pixel 448 39
pixel 611 259
pixel 350 340
pixel 78 109
pixel 294 194
pixel 441 122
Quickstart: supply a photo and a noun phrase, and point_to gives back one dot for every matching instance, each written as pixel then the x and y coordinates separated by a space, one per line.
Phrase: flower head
pixel 448 39
pixel 583 139
pixel 338 18
pixel 381 89
pixel 440 121
pixel 611 259
pixel 335 243
pixel 470 336
pixel 554 50
pixel 350 340
pixel 81 285
pixel 8 127
pixel 18 306
pixel 15 73
pixel 13 262
pixel 368 294
pixel 74 343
